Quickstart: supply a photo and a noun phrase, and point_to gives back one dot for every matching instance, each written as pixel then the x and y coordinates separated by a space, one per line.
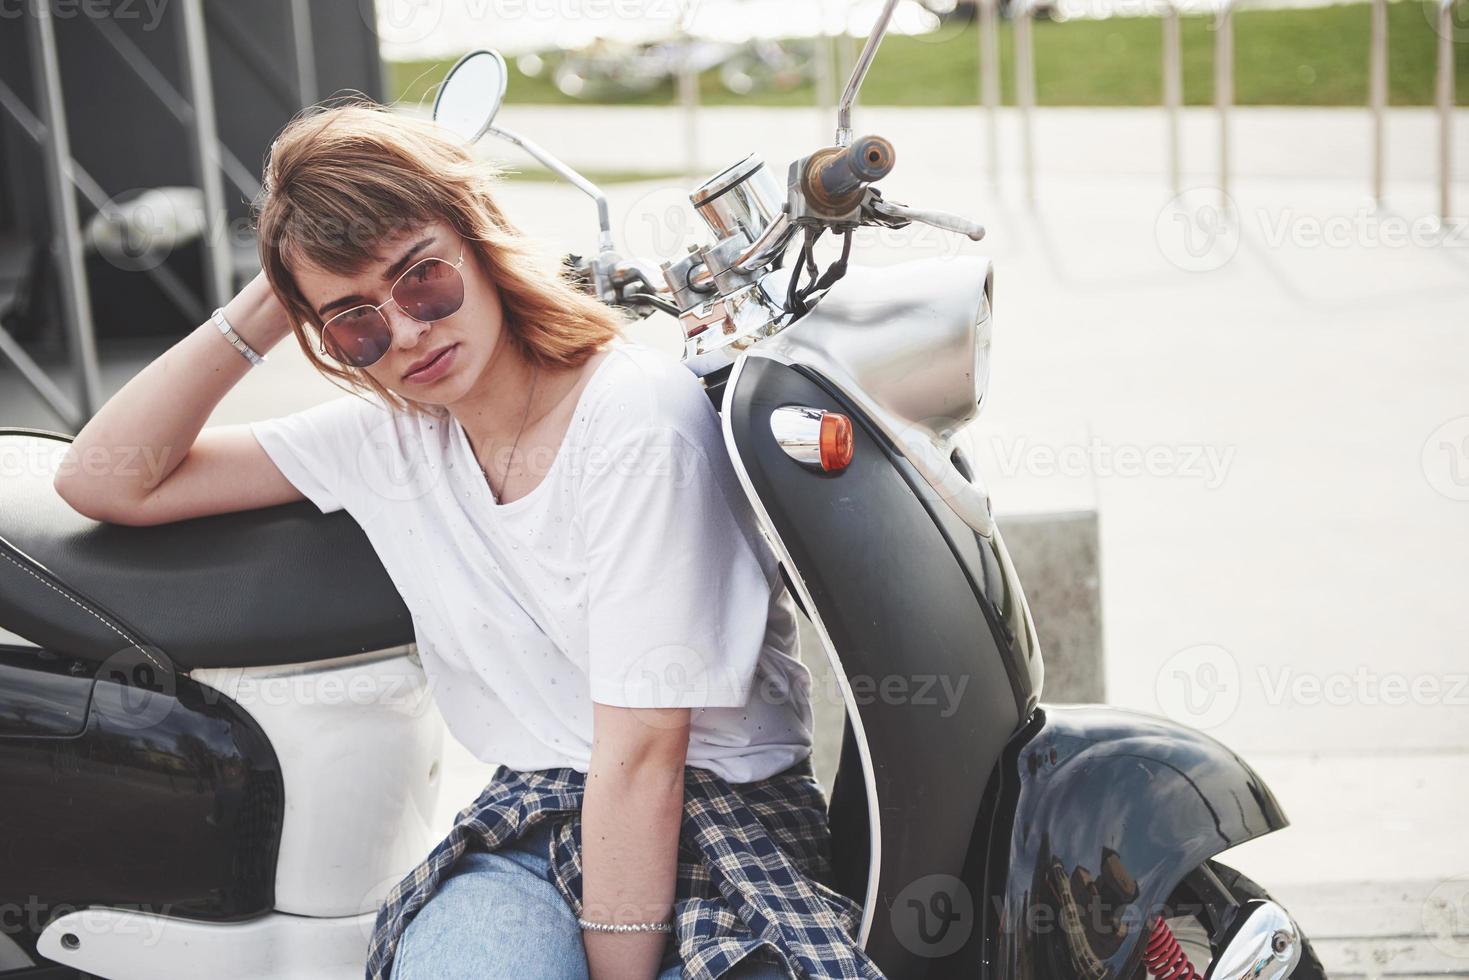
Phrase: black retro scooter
pixel 203 775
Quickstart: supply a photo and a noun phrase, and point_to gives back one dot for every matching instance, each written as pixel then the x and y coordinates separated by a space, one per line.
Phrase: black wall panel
pixel 127 139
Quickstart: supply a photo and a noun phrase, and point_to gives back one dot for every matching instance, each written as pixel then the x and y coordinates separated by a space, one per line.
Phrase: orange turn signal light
pixel 813 437
pixel 835 441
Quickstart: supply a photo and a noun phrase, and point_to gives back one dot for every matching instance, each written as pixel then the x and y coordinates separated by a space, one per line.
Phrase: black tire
pixel 1192 932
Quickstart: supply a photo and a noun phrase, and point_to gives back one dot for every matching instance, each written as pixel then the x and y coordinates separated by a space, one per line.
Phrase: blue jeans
pixel 497 914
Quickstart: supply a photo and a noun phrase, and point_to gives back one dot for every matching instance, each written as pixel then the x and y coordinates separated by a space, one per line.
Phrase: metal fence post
pixel 305 51
pixel 1377 97
pixel 1224 90
pixel 1025 88
pixel 219 275
pixel 825 85
pixel 1173 93
pixel 826 81
pixel 1445 99
pixel 989 81
pixel 66 243
pixel 688 97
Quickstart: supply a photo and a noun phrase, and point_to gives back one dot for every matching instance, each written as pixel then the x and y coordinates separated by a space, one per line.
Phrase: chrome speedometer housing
pixel 740 201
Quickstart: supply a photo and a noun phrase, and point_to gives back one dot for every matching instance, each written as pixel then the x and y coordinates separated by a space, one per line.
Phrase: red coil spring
pixel 1165 959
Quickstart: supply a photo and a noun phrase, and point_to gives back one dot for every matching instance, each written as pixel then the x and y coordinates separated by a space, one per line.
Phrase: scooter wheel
pixel 1187 915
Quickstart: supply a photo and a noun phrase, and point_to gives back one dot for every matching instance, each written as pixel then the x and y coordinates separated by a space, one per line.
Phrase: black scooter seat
pixel 278 585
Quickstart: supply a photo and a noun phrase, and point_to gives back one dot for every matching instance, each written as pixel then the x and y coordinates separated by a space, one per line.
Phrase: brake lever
pixel 939 219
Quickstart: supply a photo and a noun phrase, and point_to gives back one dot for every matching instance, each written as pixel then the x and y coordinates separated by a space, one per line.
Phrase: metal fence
pixel 169 65
pixel 1224 10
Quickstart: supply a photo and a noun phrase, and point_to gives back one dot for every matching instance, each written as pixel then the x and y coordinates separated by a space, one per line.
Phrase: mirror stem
pixel 604 218
pixel 859 72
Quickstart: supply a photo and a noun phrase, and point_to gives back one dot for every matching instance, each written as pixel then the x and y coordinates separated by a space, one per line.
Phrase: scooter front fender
pixel 1099 813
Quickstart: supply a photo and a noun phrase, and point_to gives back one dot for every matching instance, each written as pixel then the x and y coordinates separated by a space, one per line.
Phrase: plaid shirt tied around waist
pixel 751 857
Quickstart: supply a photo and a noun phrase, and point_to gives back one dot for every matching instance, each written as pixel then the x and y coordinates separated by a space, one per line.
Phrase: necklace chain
pixel 505 475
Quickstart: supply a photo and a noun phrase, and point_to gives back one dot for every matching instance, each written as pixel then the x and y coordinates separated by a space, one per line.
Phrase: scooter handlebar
pixel 834 177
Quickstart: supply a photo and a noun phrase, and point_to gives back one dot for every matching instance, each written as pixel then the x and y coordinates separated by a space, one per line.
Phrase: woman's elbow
pixel 69 490
pixel 86 501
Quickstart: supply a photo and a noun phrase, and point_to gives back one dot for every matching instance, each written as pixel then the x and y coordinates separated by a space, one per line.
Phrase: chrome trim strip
pixel 797 430
pixel 1266 945
pixel 869 779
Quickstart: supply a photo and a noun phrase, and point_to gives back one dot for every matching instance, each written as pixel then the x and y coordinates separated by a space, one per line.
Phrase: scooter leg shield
pixel 929 698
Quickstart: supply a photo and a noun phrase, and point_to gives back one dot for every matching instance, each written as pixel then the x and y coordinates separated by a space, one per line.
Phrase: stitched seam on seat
pixel 99 617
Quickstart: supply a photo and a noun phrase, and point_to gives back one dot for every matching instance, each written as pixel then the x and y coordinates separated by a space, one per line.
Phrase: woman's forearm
pixel 631 815
pixel 144 431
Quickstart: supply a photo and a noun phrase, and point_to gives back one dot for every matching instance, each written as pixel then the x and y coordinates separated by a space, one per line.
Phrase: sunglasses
pixel 430 289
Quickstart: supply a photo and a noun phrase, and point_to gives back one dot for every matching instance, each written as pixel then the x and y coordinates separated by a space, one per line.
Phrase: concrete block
pixel 1057 557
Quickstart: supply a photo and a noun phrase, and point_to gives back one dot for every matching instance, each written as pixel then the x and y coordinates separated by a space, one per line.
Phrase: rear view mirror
pixel 471 93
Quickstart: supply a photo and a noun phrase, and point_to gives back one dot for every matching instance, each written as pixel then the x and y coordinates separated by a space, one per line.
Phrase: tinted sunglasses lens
pixel 431 290
pixel 357 337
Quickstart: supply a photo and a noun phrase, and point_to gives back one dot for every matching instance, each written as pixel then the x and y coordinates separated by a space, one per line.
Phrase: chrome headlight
pixel 983 331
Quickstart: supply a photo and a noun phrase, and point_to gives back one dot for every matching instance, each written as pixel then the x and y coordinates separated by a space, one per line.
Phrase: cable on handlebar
pixel 650 297
pixel 794 303
pixel 657 302
pixel 838 268
pixel 795 294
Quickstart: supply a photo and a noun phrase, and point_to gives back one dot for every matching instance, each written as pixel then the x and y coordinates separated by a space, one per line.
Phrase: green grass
pixel 1315 57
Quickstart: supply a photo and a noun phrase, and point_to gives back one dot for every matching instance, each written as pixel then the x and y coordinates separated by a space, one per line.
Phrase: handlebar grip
pixel 867 160
pixel 835 176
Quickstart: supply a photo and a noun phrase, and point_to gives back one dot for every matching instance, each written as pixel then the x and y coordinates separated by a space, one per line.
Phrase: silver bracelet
pixel 624 926
pixel 236 341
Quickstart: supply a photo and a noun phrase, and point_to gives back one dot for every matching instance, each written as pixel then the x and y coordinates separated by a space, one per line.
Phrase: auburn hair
pixel 342 177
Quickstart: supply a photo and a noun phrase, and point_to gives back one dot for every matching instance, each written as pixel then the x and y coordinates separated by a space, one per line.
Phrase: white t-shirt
pixel 634 574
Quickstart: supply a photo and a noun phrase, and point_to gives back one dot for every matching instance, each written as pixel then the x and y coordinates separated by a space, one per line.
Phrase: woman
pixel 594 605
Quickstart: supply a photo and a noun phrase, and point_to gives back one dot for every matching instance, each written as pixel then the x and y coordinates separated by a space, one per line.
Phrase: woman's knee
pixel 493 917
